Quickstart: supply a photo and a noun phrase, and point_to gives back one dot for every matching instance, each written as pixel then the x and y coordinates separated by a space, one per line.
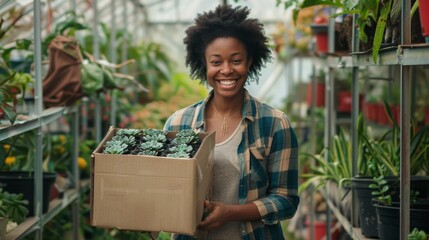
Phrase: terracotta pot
pixel 381 115
pixel 320 31
pixel 370 110
pixel 344 101
pixel 424 17
pixel 320 95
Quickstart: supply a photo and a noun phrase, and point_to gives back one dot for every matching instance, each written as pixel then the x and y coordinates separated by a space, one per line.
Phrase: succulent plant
pixel 181 148
pixel 129 132
pixel 153 142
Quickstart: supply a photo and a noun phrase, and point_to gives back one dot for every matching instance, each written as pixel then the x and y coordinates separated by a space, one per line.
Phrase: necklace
pixel 224 130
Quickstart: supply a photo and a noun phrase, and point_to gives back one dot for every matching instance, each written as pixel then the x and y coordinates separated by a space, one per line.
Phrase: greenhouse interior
pixel 350 80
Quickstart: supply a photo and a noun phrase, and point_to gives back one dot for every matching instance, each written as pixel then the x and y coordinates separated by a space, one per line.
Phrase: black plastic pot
pixel 367 212
pixel 23 182
pixel 389 220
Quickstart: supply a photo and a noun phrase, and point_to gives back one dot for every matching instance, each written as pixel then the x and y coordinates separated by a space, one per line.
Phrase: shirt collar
pixel 249 110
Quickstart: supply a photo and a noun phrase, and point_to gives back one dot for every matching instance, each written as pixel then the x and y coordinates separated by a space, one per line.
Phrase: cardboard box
pixel 146 193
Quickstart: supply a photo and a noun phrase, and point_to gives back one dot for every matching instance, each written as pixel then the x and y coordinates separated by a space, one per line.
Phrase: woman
pixel 256 151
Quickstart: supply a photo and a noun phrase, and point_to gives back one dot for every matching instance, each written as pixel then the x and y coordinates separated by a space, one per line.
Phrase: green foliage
pixel 13 206
pixel 381 191
pixel 417 234
pixel 385 151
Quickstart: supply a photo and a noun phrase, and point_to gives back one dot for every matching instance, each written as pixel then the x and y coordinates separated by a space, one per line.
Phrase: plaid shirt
pixel 268 156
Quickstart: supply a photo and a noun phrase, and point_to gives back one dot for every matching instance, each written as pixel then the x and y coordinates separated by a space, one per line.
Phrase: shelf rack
pixel 42 117
pixel 404 56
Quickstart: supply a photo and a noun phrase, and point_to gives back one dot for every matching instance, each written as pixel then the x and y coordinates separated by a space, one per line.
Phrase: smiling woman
pixel 255 157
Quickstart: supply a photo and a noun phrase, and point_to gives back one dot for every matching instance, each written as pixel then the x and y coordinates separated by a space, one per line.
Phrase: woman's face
pixel 227 66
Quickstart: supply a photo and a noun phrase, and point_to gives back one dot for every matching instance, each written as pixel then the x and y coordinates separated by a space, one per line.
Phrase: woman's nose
pixel 226 69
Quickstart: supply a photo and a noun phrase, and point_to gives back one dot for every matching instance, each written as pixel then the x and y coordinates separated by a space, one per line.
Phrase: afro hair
pixel 226 21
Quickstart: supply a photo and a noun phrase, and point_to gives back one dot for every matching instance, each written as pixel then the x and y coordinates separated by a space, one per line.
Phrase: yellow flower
pixel 81 162
pixel 10 160
pixel 6 147
pixel 62 138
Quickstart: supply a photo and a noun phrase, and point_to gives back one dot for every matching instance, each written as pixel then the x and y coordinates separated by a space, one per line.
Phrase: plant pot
pixel 389 221
pixel 320 31
pixel 370 111
pixel 424 17
pixel 320 230
pixel 367 212
pixel 396 113
pixel 23 182
pixel 320 95
pixel 3 225
pixel 381 115
pixel 344 101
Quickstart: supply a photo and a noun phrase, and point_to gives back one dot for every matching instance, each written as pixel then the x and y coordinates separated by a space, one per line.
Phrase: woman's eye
pixel 236 61
pixel 215 63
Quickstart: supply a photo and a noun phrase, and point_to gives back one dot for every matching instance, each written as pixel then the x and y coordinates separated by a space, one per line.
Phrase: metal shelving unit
pixel 36 122
pixel 404 56
pixel 43 117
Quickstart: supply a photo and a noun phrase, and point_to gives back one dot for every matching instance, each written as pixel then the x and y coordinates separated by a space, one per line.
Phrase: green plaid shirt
pixel 268 156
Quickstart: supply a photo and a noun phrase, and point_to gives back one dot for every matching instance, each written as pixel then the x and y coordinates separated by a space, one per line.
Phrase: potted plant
pixel 382 157
pixel 17 156
pixel 13 210
pixel 12 82
pixel 388 210
pixel 319 98
pixel 374 17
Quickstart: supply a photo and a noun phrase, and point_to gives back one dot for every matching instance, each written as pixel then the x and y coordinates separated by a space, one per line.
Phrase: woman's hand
pixel 219 214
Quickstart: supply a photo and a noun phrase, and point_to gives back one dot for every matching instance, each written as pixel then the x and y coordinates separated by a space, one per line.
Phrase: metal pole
pixel 405 126
pixel 75 173
pixel 113 59
pixel 354 133
pixel 96 52
pixel 124 51
pixel 38 174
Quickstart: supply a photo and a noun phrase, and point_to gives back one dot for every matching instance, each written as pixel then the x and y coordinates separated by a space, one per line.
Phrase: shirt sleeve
pixel 282 167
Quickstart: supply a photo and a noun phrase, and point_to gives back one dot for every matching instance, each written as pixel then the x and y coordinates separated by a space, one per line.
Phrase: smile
pixel 227 82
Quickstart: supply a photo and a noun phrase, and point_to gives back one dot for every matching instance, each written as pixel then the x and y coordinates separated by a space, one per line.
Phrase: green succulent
pixel 156 137
pixel 129 140
pixel 115 147
pixel 151 131
pixel 181 148
pixel 151 145
pixel 148 152
pixel 129 132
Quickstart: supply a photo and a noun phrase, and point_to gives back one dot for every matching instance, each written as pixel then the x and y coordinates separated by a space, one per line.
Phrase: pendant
pixel 224 127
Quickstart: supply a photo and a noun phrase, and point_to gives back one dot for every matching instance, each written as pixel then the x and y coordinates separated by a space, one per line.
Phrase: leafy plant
pixel 381 190
pixel 13 206
pixel 385 152
pixel 337 168
pixel 417 234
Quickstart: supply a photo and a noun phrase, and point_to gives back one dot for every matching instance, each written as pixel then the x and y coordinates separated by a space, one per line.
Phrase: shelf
pixel 49 115
pixel 22 229
pixel 416 54
pixel 55 206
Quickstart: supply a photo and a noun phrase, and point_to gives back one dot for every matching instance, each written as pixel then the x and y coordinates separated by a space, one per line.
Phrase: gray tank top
pixel 225 183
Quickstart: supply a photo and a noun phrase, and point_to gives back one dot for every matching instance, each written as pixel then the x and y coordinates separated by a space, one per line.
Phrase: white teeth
pixel 227 82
